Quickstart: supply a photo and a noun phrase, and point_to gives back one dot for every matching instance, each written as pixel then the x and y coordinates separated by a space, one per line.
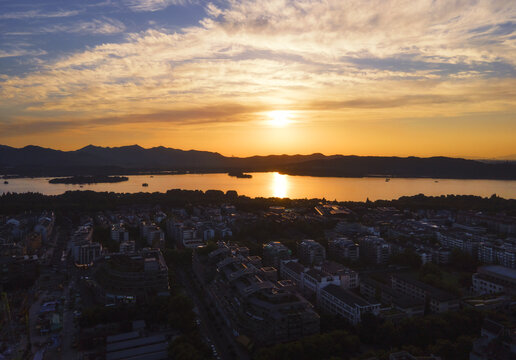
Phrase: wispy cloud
pixel 153 5
pixel 21 52
pixel 103 26
pixel 37 14
pixel 186 116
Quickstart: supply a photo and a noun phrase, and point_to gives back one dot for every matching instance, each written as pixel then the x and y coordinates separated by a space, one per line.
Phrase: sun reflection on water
pixel 279 185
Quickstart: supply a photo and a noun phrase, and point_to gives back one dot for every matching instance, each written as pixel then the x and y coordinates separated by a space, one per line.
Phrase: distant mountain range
pixel 507 157
pixel 95 160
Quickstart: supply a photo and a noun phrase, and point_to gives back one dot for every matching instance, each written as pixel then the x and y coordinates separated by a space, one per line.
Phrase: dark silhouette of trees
pixel 336 344
pixel 407 257
pixel 441 334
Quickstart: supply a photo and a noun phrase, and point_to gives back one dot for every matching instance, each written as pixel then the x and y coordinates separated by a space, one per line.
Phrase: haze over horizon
pixel 260 77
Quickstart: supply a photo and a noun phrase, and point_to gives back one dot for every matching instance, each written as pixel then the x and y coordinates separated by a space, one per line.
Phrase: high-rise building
pixel 344 249
pixel 273 253
pixel 310 252
pixel 374 250
pixel 119 233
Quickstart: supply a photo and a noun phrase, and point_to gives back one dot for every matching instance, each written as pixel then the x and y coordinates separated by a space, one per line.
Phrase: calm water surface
pixel 276 185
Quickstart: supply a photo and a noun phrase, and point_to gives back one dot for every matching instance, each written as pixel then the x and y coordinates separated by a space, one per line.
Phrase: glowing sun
pixel 279 118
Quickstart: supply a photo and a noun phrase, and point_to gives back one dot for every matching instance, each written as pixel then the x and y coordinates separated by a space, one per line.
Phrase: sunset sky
pixel 373 77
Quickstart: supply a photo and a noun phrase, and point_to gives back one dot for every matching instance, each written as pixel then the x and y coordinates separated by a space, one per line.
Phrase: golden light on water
pixel 279 118
pixel 279 185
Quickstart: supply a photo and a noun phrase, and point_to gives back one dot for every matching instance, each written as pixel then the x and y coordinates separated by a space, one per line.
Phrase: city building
pixel 503 254
pixel 310 252
pixel 208 234
pixel 338 301
pixel 374 250
pixel 332 210
pixel 126 278
pixel 497 342
pixel 45 225
pixel 153 235
pixel 461 240
pixel 269 273
pixel 254 307
pixel 374 290
pixel 293 270
pixel 186 235
pixel 85 255
pixel 438 300
pixel 273 253
pixel 127 247
pixel 493 279
pixel 404 355
pixel 84 250
pixel 441 256
pixel 313 281
pixel 119 233
pixel 133 345
pixel 344 249
pixel 348 278
pixel 499 223
pixel 425 256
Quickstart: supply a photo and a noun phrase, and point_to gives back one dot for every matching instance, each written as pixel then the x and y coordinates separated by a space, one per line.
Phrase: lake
pixel 277 185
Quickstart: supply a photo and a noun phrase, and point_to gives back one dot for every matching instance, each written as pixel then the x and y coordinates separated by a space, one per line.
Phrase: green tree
pixel 407 257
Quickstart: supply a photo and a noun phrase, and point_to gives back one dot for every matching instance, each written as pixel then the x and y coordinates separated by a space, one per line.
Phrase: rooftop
pixel 295 266
pixel 346 296
pixel 436 293
pixel 499 271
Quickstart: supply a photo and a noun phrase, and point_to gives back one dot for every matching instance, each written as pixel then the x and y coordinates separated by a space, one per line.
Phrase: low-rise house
pixel 438 301
pixel 338 301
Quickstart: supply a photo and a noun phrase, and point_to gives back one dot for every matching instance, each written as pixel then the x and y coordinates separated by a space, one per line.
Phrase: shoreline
pixel 158 173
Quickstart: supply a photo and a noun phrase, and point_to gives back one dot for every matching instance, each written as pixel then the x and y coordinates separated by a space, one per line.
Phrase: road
pixel 218 333
pixel 68 328
pixel 56 286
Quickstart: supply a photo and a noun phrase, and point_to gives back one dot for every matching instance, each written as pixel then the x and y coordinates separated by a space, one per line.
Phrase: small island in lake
pixel 97 179
pixel 240 175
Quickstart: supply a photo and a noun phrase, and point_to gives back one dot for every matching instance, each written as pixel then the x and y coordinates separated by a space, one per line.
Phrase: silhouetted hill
pixel 95 160
pixel 135 156
pixel 434 167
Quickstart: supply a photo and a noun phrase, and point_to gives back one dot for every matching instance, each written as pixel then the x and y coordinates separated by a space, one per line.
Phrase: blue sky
pixel 42 30
pixel 393 77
